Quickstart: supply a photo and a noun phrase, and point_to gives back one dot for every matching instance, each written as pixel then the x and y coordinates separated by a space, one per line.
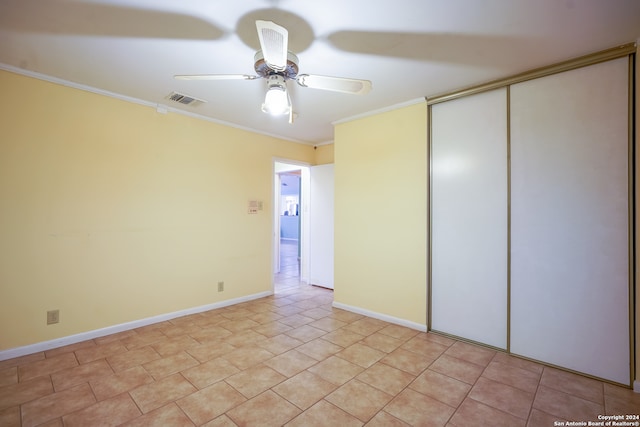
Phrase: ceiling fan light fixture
pixel 276 101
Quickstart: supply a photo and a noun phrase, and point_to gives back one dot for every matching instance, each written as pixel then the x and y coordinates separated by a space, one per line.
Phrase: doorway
pixel 290 249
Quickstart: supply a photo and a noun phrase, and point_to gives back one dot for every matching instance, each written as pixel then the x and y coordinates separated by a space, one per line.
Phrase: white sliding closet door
pixel 569 221
pixel 469 218
pixel 321 198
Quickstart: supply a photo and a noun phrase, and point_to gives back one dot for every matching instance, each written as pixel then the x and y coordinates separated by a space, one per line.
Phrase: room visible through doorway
pixel 290 263
pixel 290 230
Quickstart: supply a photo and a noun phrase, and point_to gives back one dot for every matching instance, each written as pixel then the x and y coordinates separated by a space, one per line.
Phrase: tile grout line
pixel 297 304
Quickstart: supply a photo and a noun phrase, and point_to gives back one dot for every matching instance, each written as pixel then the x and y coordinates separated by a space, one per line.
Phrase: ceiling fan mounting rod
pixel 263 69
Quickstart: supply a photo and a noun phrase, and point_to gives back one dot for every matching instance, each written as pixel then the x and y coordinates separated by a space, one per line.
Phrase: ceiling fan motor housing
pixel 263 69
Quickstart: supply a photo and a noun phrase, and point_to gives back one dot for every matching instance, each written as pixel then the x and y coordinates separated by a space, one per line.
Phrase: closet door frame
pixel 627 50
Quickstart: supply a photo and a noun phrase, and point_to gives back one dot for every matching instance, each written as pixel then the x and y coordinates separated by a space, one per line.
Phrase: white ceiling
pixel 409 49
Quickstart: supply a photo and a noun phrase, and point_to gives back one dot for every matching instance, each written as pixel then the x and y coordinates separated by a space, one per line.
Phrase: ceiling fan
pixel 277 65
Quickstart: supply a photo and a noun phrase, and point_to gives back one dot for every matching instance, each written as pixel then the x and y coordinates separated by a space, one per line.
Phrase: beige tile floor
pixel 292 359
pixel 289 274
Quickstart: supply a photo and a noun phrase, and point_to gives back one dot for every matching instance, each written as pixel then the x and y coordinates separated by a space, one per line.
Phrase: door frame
pixel 279 166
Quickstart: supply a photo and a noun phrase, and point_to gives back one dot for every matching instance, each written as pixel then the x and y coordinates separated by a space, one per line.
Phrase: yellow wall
pixel 324 154
pixel 112 212
pixel 381 213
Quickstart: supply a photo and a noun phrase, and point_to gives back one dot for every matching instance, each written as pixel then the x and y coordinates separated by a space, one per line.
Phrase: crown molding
pixel 159 107
pixel 381 110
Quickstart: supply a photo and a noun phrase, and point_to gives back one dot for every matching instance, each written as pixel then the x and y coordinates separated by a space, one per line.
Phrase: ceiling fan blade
pixel 273 42
pixel 290 109
pixel 335 84
pixel 215 77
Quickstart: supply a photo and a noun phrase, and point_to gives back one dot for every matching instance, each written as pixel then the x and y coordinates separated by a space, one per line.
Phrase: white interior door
pixel 321 196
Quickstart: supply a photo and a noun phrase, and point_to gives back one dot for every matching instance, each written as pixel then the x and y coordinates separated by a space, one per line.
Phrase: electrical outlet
pixel 220 286
pixel 53 316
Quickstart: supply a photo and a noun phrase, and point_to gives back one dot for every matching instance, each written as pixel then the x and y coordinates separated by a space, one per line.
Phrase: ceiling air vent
pixel 184 99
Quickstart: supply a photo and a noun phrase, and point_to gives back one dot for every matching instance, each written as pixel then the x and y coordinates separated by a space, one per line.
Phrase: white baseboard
pixel 380 316
pixel 636 386
pixel 97 333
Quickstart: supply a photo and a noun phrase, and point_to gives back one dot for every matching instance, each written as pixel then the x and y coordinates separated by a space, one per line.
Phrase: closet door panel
pixel 469 218
pixel 570 220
